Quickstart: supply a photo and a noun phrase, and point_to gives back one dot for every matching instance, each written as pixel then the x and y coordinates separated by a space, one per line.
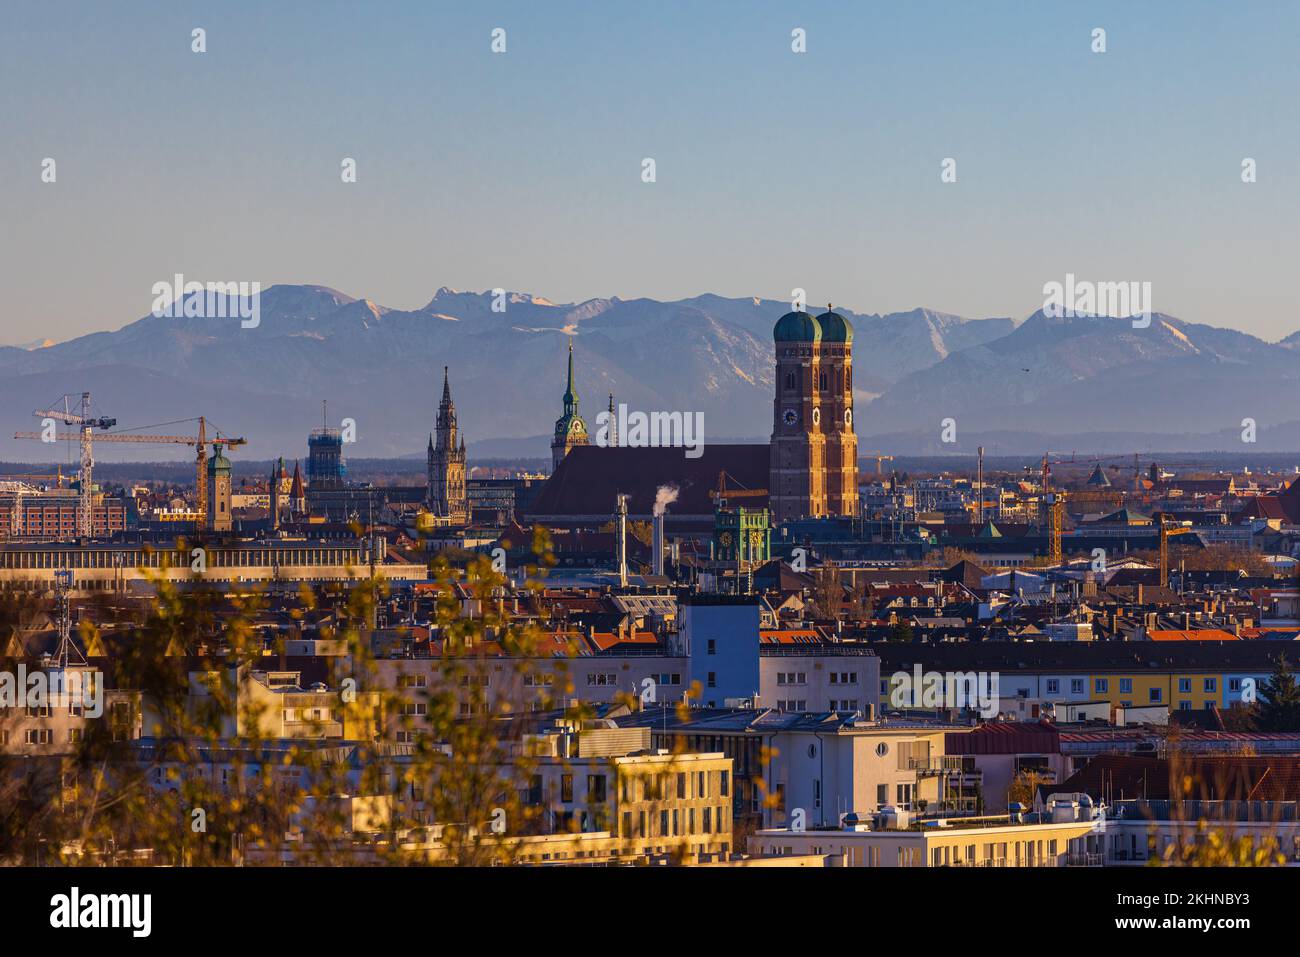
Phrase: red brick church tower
pixel 813 466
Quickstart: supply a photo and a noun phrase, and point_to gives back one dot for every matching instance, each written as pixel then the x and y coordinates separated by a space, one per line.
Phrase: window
pixel 566 788
pixel 1184 706
pixel 681 786
pixel 1154 695
pixel 1101 685
pixel 1125 685
pixel 713 647
pixel 708 820
pixel 1210 685
pixel 724 783
pixel 1234 684
pixel 1076 686
pixel 1184 685
pixel 713 679
pixel 1053 686
pixel 40 736
pixel 595 789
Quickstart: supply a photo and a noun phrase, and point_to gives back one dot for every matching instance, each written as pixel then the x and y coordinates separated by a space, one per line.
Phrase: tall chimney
pixel 658 543
pixel 621 542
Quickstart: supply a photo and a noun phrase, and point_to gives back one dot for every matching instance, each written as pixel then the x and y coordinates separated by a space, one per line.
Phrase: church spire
pixel 446 386
pixel 570 430
pixel 570 393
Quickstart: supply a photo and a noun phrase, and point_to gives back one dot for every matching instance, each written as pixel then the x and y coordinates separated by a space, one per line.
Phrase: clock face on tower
pixel 817 416
pixel 576 428
pixel 790 417
pixel 848 417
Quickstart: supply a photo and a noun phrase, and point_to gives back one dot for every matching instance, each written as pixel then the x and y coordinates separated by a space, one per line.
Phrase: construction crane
pixel 36 476
pixel 722 494
pixel 1167 531
pixel 84 434
pixel 1055 526
pixel 1054 509
pixel 880 457
pixel 19 492
pixel 200 442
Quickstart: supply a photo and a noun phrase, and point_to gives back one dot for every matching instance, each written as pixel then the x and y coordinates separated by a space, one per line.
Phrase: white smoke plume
pixel 665 495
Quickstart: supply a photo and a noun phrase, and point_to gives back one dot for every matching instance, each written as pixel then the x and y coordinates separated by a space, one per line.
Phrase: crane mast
pixel 86 425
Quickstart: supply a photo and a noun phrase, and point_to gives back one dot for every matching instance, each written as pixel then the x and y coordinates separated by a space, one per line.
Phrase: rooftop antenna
pixel 68 649
pixel 324 414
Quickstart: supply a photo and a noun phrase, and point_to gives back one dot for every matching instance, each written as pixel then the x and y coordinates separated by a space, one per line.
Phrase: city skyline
pixel 856 438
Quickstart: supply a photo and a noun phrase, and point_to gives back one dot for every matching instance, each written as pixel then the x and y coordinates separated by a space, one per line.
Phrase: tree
pixel 1279 706
pixel 828 590
pixel 1024 787
pixel 901 631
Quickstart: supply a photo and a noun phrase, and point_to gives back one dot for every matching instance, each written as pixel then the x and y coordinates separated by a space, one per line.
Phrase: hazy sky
pixel 774 169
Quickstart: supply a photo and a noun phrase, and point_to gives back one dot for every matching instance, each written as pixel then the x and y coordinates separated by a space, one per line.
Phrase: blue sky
pixel 774 170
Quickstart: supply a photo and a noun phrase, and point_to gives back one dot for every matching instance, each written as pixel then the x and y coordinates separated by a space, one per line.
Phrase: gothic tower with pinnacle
pixel 446 464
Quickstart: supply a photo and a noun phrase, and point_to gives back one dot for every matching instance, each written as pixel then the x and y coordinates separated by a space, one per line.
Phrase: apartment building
pixel 1183 675
pixel 814 767
pixel 894 839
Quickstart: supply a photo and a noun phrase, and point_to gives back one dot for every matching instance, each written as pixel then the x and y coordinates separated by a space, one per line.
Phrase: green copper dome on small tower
pixel 570 430
pixel 835 328
pixel 797 327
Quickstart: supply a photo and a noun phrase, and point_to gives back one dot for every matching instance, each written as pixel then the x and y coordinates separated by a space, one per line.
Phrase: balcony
pixel 929 767
pixel 313 729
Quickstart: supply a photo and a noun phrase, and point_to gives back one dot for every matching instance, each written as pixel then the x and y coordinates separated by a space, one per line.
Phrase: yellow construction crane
pixel 1054 506
pixel 1167 531
pixel 86 438
pixel 1055 526
pixel 721 494
pixel 880 457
